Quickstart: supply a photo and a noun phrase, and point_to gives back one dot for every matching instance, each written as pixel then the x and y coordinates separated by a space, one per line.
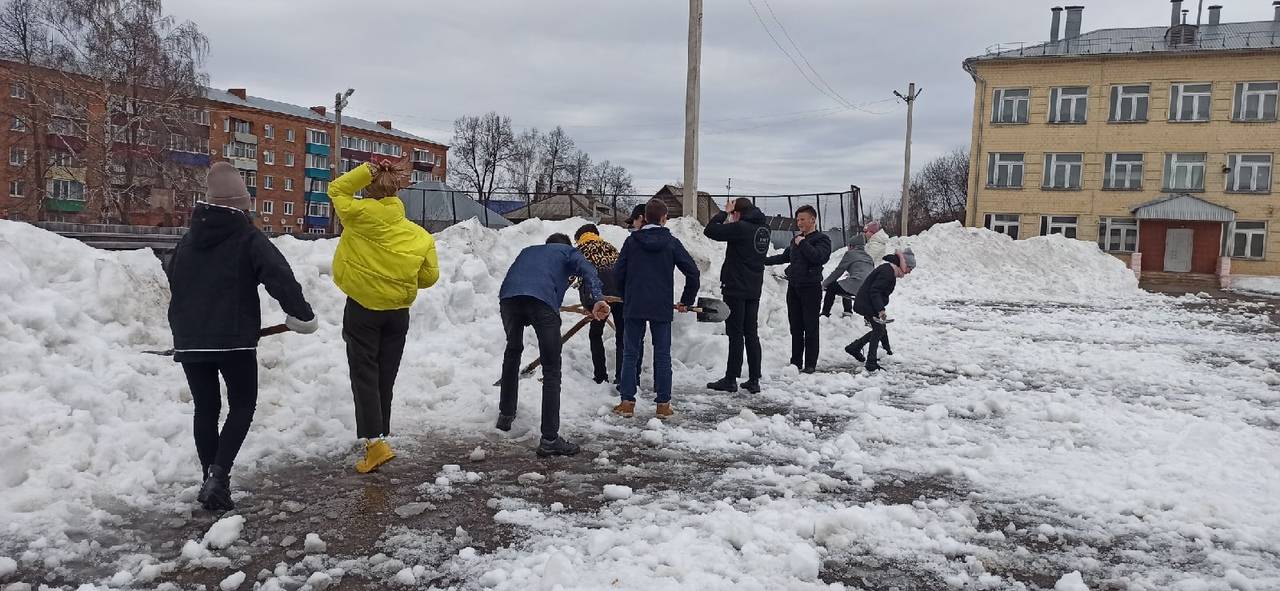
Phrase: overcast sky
pixel 612 73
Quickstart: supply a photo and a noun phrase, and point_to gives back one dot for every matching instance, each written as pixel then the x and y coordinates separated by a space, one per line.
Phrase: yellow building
pixel 1159 143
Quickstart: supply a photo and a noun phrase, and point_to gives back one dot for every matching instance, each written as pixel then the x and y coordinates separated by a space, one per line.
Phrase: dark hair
pixel 585 229
pixel 655 210
pixel 807 209
pixel 742 205
pixel 636 212
pixel 559 238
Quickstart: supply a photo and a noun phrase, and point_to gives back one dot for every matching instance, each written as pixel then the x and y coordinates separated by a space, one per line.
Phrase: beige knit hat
pixel 226 188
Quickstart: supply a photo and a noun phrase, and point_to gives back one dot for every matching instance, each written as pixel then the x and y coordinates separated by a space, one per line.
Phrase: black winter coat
pixel 873 296
pixel 806 259
pixel 645 275
pixel 213 282
pixel 742 274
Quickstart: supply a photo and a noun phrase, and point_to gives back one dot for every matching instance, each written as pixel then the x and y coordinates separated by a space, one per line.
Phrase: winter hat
pixel 872 227
pixel 226 188
pixel 858 241
pixel 909 258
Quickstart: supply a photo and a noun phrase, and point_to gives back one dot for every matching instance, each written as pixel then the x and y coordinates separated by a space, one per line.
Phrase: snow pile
pixel 1261 285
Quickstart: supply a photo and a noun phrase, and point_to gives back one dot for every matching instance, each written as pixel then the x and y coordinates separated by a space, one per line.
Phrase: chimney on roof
pixel 1215 14
pixel 240 92
pixel 1074 14
pixel 319 110
pixel 1276 4
pixel 386 124
pixel 1175 13
pixel 1057 21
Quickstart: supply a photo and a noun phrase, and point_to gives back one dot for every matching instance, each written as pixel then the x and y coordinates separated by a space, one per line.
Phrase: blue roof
pixel 505 207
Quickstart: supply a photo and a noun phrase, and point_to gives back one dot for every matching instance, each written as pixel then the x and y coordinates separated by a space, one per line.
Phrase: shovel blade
pixel 713 310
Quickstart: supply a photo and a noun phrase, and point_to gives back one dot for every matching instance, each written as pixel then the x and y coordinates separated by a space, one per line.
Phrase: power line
pixel 784 51
pixel 801 53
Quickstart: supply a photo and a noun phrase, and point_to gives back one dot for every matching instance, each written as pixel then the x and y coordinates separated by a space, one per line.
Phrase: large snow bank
pixel 91 422
pixel 1262 285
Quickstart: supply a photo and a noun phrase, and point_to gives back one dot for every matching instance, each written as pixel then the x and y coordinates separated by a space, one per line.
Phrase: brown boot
pixel 664 410
pixel 626 408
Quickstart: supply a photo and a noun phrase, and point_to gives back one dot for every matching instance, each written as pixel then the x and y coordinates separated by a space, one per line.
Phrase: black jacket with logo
pixel 742 274
pixel 213 281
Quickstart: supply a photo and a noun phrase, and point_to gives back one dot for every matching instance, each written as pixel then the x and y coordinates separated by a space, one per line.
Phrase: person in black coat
pixel 742 226
pixel 805 256
pixel 214 314
pixel 645 275
pixel 873 298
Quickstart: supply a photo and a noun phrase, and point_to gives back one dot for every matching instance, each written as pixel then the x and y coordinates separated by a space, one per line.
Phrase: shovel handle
pixel 270 330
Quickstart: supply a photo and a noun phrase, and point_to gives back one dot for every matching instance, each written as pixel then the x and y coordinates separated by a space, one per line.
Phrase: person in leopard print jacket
pixel 604 256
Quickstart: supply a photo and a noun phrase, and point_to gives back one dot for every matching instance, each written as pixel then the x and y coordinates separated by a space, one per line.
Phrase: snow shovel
pixel 266 332
pixel 711 310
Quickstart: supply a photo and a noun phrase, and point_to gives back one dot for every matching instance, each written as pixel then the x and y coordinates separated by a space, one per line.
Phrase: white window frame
pixel 317 209
pixel 1011 110
pixel 268 157
pixel 1069 108
pixel 1266 98
pixel 1177 161
pixel 1067 225
pixel 1136 99
pixel 288 158
pixel 317 186
pixel 314 159
pixel 266 230
pixel 1005 160
pixel 269 131
pixel 61 189
pixel 420 155
pixel 236 149
pixel 1251 236
pixel 17 156
pixel 242 126
pixel 1114 165
pixel 288 134
pixel 317 231
pixel 1201 105
pixel 312 134
pixel 17 90
pixel 288 184
pixel 288 208
pixel 18 125
pixel 250 178
pixel 418 176
pixel 267 208
pixel 1004 223
pixel 1058 171
pixel 15 188
pixel 267 182
pixel 1259 177
pixel 1124 227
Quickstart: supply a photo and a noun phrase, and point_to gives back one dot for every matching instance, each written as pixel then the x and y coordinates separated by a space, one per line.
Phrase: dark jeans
pixel 596 334
pixel 375 344
pixel 833 292
pixel 877 335
pixel 802 313
pixel 743 328
pixel 240 371
pixel 517 313
pixel 661 359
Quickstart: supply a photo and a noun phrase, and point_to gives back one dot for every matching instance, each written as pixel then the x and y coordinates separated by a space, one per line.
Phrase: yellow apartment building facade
pixel 1159 143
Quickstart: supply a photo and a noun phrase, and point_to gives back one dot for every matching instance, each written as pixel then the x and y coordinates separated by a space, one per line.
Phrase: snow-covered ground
pixel 1261 285
pixel 1066 422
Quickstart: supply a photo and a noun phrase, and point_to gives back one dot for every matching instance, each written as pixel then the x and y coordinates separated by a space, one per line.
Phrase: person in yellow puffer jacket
pixel 382 260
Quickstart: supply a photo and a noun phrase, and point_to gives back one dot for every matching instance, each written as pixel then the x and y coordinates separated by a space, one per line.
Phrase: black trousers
pixel 596 334
pixel 517 313
pixel 743 328
pixel 830 300
pixel 878 334
pixel 375 344
pixel 803 302
pixel 240 371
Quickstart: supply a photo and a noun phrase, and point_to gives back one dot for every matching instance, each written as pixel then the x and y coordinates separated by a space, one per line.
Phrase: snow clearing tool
pixel 266 332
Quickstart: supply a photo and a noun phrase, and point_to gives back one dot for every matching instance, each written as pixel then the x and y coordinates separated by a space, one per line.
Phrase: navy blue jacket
pixel 645 274
pixel 873 295
pixel 543 272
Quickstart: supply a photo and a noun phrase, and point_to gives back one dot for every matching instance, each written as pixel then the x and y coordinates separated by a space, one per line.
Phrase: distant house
pixel 673 196
pixel 565 206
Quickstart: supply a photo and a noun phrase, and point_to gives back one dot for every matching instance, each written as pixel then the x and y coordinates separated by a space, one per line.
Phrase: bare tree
pixel 557 148
pixel 578 171
pixel 483 147
pixel 523 169
pixel 939 193
pixel 24 40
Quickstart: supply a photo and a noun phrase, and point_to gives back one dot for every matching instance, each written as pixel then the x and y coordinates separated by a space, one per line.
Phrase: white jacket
pixel 878 246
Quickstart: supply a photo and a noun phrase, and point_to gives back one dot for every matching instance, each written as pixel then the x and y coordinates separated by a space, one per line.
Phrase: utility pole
pixel 910 99
pixel 335 155
pixel 728 189
pixel 691 104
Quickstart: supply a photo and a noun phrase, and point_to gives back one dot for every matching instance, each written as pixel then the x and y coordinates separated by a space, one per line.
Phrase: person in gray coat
pixel 844 281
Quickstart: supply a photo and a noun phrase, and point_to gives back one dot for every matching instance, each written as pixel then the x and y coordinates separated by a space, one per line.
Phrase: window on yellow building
pixel 1249 173
pixel 1184 171
pixel 1118 234
pixel 1058 224
pixel 1005 170
pixel 1068 104
pixel 1255 101
pixel 1190 102
pixel 1129 103
pixel 1063 171
pixel 1004 223
pixel 1248 240
pixel 1123 171
pixel 1010 106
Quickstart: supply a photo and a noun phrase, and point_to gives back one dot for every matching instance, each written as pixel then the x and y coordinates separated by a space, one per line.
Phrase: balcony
pixel 316 196
pixel 317 220
pixel 64 205
pixel 318 149
pixel 360 155
pixel 244 138
pixel 316 173
pixel 189 158
pixel 424 166
pixel 244 163
pixel 253 191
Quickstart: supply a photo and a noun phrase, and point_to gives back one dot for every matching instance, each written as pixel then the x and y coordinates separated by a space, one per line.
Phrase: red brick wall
pixel 1206 244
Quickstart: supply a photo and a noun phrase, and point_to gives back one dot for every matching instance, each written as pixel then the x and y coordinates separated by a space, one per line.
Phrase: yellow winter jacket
pixel 383 259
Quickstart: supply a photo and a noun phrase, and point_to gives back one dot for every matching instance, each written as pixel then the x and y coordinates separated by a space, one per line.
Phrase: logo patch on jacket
pixel 762 240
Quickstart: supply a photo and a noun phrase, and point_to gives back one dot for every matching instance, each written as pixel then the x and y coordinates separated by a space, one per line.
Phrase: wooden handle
pixel 270 330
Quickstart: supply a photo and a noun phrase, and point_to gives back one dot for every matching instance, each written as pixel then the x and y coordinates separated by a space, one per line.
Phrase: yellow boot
pixel 376 453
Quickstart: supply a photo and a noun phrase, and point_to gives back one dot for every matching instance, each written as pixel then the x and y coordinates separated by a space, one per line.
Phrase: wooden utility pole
pixel 910 99
pixel 691 104
pixel 335 155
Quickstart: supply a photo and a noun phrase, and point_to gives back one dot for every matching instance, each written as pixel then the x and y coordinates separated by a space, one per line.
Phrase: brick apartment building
pixel 285 153
pixel 1157 142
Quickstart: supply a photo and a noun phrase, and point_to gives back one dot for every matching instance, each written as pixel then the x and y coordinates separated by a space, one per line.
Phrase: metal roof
pixel 429 201
pixel 254 102
pixel 1221 37
pixel 1184 207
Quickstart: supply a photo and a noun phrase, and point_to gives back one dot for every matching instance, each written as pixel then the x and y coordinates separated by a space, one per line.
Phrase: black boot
pixel 872 366
pixel 504 422
pixel 557 447
pixel 215 494
pixel 752 385
pixel 852 349
pixel 724 385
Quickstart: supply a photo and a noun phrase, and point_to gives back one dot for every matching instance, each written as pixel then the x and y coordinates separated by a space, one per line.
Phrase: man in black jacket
pixel 742 226
pixel 214 314
pixel 873 298
pixel 805 256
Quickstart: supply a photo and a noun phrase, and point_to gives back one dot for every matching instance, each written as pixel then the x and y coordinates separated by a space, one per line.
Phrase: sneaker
pixel 724 385
pixel 752 385
pixel 626 408
pixel 600 380
pixel 809 370
pixel 376 453
pixel 557 447
pixel 504 422
pixel 215 493
pixel 873 367
pixel 664 410
pixel 857 353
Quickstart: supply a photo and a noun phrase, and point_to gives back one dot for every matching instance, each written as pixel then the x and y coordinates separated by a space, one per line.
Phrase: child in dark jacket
pixel 804 257
pixel 214 314
pixel 644 275
pixel 873 298
pixel 742 226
